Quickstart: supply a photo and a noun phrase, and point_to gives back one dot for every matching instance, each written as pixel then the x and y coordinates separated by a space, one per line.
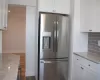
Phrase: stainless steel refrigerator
pixel 53 46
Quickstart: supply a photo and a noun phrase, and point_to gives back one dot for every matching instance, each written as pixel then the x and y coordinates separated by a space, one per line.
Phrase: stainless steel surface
pixel 54 47
pixel 47 29
pixel 54 70
pixel 62 36
pixel 56 28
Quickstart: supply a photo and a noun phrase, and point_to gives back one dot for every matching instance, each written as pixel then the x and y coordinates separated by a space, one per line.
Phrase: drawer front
pixel 89 64
pixel 77 59
pixel 81 60
pixel 93 66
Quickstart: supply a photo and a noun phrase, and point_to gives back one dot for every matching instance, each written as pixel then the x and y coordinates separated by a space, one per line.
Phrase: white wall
pixel 30 41
pixel 79 41
pixel 23 2
pixel 16 26
pixel 37 17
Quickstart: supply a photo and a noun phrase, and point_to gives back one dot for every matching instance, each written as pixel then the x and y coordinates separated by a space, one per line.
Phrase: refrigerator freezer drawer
pixel 53 70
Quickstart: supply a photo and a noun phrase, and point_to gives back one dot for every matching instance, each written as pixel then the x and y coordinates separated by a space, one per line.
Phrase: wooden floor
pixel 22 64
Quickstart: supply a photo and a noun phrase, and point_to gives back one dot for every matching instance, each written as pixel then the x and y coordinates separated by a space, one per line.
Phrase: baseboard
pixel 30 78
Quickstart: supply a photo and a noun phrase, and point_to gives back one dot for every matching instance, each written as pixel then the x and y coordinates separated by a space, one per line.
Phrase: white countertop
pixel 89 56
pixel 9 64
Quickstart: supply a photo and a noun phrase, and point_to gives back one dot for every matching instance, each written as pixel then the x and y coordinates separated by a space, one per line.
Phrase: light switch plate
pixel 98 42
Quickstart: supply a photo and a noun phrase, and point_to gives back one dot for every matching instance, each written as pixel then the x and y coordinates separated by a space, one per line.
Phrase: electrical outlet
pixel 98 42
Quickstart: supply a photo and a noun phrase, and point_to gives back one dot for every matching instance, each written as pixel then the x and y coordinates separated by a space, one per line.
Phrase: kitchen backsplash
pixel 93 43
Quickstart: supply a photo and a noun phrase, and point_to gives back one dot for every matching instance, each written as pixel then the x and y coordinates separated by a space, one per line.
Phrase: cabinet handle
pixel 46 62
pixel 90 30
pixel 54 10
pixel 5 28
pixel 82 68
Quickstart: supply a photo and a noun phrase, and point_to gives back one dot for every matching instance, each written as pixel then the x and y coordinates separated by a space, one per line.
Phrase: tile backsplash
pixel 93 43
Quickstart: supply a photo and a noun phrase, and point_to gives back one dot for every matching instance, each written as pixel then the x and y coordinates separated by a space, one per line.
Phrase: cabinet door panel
pixel 0 14
pixel 62 6
pixel 88 15
pixel 89 74
pixel 46 5
pixel 97 27
pixel 6 14
pixel 3 14
pixel 5 7
pixel 82 72
pixel 77 74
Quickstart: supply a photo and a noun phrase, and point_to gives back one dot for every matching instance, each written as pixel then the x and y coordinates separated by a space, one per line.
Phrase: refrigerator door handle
pixel 54 36
pixel 53 39
pixel 47 62
pixel 57 22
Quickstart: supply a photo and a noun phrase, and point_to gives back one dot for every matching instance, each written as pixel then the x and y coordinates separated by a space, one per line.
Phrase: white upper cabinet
pixel 62 6
pixel 97 27
pixel 54 6
pixel 3 14
pixel 88 15
pixel 46 5
pixel 23 2
pixel 0 15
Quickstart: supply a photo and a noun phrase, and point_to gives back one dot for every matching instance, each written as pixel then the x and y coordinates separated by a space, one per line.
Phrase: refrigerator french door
pixel 53 47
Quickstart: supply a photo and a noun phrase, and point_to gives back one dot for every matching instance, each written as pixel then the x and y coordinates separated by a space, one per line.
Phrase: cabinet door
pixel 97 27
pixel 23 2
pixel 4 11
pixel 78 72
pixel 81 72
pixel 88 15
pixel 2 14
pixel 46 5
pixel 62 6
pixel 6 15
pixel 89 74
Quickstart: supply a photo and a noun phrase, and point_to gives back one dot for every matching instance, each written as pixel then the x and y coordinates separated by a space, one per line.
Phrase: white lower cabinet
pixel 76 72
pixel 81 72
pixel 88 74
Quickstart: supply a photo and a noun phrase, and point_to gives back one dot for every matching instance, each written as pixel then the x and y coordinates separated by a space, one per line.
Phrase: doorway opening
pixel 14 38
